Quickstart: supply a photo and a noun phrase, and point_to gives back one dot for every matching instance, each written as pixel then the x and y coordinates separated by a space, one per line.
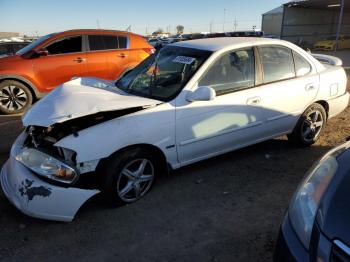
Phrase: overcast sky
pixel 41 17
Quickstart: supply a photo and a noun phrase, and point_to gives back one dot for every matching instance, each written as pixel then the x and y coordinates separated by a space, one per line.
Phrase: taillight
pixel 149 50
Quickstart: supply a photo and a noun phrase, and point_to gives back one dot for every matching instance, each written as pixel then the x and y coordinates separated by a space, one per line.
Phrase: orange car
pixel 55 58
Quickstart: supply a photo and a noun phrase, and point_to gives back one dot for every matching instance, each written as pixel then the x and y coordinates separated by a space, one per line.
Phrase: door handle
pixel 253 100
pixel 122 55
pixel 309 87
pixel 79 59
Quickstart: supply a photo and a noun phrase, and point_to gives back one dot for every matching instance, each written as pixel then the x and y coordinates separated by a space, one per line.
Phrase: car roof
pixel 215 44
pixel 94 31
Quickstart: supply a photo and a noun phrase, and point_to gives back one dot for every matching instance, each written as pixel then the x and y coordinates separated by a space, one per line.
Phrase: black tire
pixel 309 126
pixel 113 179
pixel 15 97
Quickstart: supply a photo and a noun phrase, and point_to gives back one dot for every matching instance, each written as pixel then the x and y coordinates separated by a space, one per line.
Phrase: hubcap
pixel 312 125
pixel 12 98
pixel 135 180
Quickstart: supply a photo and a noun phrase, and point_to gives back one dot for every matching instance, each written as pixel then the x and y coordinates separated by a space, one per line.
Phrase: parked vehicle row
pixel 191 101
pixel 160 42
pixel 10 48
pixel 56 58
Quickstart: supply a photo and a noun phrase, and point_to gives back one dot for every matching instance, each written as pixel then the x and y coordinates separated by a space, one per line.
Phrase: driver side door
pixel 231 120
pixel 66 59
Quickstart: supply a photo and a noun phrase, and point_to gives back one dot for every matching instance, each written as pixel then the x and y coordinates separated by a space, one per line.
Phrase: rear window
pixel 277 62
pixel 107 42
pixel 122 42
pixel 302 67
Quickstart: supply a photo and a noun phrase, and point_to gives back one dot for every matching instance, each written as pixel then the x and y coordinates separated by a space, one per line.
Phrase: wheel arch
pixel 35 93
pixel 325 105
pixel 164 166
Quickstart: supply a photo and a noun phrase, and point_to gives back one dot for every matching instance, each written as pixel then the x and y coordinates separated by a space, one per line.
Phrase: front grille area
pixel 340 252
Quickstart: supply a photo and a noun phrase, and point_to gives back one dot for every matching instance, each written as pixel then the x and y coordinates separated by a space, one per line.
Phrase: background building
pixel 306 22
pixel 272 22
pixel 8 34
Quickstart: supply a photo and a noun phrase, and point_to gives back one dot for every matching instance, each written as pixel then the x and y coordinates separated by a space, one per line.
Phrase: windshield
pixel 163 75
pixel 33 44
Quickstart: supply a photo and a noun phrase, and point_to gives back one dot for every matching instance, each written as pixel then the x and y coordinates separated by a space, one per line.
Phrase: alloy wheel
pixel 312 126
pixel 135 180
pixel 13 98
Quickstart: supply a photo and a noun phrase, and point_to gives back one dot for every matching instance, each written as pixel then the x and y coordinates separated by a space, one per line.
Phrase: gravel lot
pixel 224 209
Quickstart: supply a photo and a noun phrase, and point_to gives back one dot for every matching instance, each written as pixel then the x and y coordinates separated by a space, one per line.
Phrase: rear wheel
pixel 15 97
pixel 128 176
pixel 309 126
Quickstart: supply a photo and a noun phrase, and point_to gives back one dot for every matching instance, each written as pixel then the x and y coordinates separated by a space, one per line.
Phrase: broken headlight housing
pixel 47 166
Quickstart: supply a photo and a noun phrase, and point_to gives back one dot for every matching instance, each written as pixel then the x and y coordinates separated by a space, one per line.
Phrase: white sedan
pixel 188 102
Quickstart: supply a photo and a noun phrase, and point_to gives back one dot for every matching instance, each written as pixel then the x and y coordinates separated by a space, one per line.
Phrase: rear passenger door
pixel 107 55
pixel 118 60
pixel 289 86
pixel 97 56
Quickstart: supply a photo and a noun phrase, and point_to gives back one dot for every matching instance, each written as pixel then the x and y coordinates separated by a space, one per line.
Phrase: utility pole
pixel 223 26
pixel 98 23
pixel 235 25
pixel 211 26
pixel 339 25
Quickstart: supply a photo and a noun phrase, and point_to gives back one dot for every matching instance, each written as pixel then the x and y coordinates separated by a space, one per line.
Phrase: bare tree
pixel 180 29
pixel 159 31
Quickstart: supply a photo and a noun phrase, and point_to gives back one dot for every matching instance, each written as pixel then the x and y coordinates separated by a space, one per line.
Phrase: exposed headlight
pixel 47 166
pixel 305 202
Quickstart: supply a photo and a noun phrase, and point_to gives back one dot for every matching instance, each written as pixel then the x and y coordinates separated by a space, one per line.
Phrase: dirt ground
pixel 224 209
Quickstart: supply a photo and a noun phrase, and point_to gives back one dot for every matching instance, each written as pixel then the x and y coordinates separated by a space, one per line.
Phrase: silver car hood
pixel 81 97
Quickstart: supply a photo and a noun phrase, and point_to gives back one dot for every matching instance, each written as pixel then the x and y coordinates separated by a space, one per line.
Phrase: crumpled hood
pixel 81 97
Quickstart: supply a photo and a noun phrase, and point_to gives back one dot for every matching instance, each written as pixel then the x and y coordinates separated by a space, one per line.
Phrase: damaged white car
pixel 191 101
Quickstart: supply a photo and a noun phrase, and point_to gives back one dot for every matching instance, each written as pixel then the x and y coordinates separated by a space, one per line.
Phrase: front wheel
pixel 15 97
pixel 128 176
pixel 309 126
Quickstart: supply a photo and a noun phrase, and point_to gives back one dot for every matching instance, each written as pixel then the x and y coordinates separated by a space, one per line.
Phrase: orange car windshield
pixel 34 44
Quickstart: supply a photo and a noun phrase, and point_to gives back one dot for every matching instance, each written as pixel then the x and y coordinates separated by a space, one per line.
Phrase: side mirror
pixel 202 93
pixel 42 52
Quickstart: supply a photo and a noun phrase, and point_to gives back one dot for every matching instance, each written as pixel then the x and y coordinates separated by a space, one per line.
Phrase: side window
pixel 302 67
pixel 96 42
pixel 111 41
pixel 107 42
pixel 122 42
pixel 67 45
pixel 233 71
pixel 277 63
